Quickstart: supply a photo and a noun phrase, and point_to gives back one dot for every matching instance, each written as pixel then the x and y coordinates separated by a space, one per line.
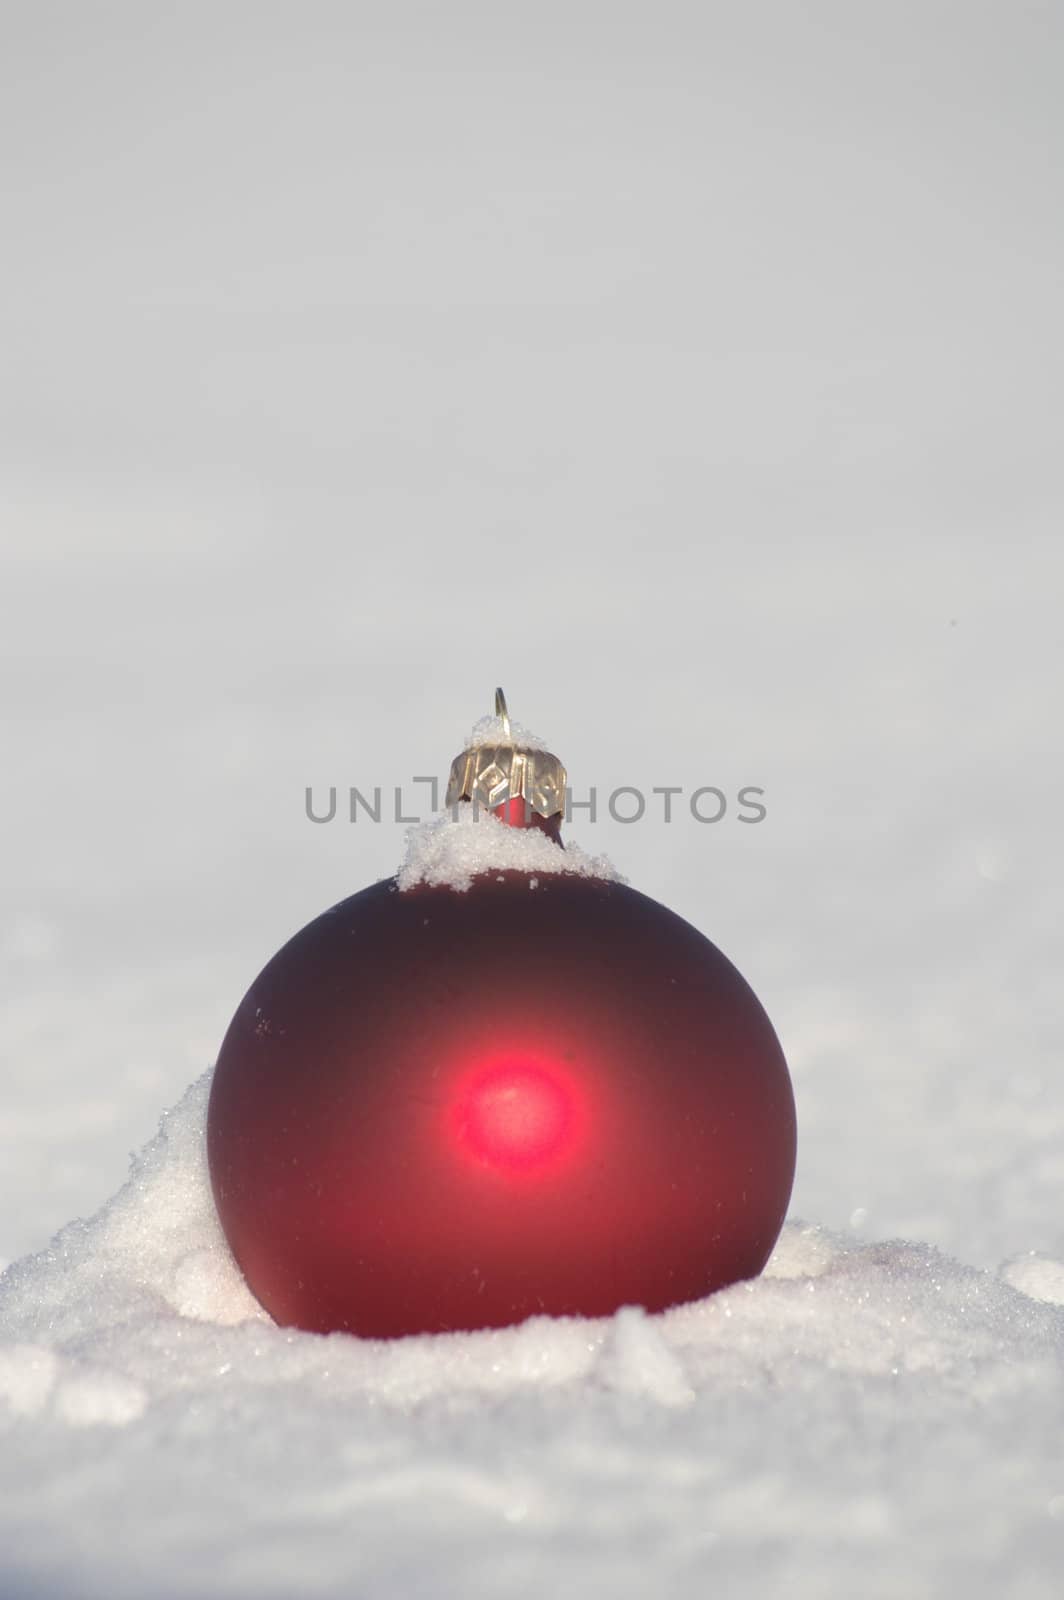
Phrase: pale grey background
pixel 694 371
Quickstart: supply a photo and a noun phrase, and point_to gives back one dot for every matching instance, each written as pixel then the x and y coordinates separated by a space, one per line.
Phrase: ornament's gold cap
pixel 504 768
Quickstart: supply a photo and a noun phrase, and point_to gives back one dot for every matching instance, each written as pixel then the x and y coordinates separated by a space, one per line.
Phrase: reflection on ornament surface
pixel 518 1116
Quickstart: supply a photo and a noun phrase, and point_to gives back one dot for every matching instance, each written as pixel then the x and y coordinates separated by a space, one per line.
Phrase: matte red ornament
pixel 439 1110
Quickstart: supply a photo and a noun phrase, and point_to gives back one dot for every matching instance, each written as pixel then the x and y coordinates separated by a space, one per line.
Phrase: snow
pixel 1036 1275
pixel 451 849
pixel 875 1419
pixel 492 731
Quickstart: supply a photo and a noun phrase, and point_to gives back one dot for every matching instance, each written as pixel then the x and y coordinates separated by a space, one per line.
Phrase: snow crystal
pixel 863 1419
pixel 451 849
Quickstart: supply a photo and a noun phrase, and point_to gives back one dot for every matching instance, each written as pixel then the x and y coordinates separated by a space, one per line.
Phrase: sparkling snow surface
pixel 801 1434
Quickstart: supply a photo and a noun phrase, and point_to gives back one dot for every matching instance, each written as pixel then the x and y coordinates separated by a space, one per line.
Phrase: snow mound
pixel 451 849
pixel 875 1420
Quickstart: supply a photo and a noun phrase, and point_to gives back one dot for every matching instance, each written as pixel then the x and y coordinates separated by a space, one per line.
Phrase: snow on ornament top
pixel 503 729
pixel 451 850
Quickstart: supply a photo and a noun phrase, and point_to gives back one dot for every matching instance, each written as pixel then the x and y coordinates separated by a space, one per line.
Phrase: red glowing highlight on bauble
pixel 517 1116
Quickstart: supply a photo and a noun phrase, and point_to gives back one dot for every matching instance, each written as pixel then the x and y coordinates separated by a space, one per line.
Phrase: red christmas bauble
pixel 440 1110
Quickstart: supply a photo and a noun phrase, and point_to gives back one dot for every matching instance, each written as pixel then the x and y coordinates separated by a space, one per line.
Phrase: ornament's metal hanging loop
pixel 503 715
